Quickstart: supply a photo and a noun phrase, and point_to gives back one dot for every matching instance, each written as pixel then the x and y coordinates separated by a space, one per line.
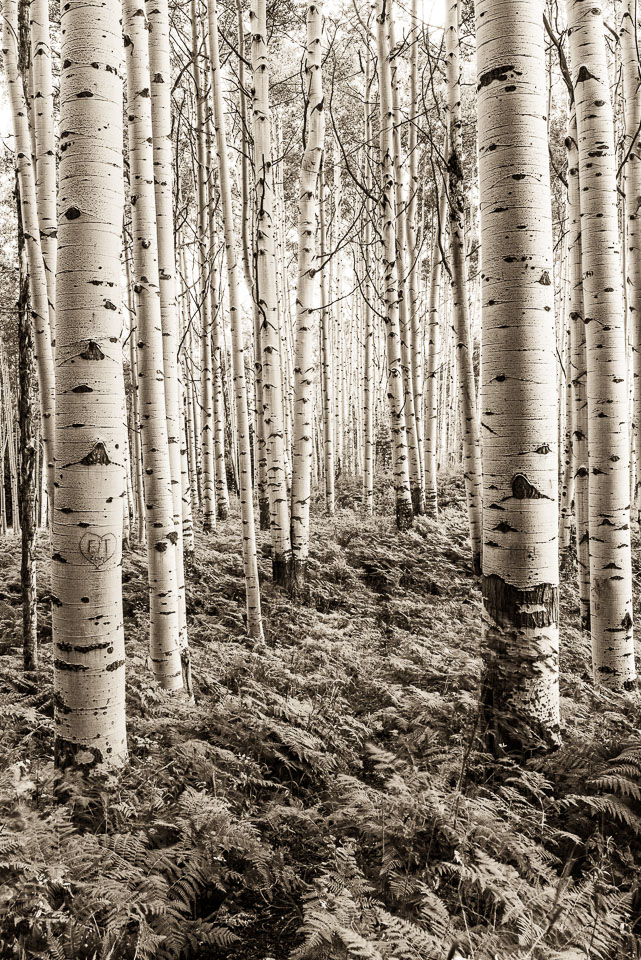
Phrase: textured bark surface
pixel 461 321
pixel 519 403
pixel 608 440
pixel 326 356
pixel 266 299
pixel 162 538
pixel 307 313
pixel 404 507
pixel 250 563
pixel 88 637
pixel 432 360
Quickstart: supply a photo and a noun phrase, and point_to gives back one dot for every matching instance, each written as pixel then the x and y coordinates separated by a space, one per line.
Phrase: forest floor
pixel 327 795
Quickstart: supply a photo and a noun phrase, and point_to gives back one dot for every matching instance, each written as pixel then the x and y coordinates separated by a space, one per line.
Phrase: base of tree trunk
pixel 282 571
pixel 418 502
pixel 222 511
pixel 519 685
pixel 404 515
pixel 263 513
pixel 476 564
pixel 431 505
pixel 207 525
pixel 298 577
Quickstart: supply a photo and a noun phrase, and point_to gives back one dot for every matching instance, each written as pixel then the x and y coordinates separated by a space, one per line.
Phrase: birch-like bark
pixel 404 509
pixel 369 386
pixel 434 359
pixel 520 691
pixel 307 293
pixel 630 39
pixel 86 584
pixel 160 83
pixel 456 189
pixel 608 441
pixel 162 538
pixel 579 378
pixel 250 563
pixel 327 376
pixel 43 120
pixel 38 294
pixel 265 283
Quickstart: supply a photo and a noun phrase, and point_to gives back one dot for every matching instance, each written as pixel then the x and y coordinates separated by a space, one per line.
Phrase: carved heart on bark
pixel 98 549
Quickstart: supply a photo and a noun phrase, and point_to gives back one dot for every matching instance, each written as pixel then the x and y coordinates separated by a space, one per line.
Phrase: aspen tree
pixel 162 538
pixel 608 444
pixel 45 154
pixel 519 405
pixel 413 283
pixel 38 294
pixel 630 38
pixel 579 378
pixel 250 563
pixel 206 433
pixel 369 448
pixel 307 293
pixel 432 361
pixel 160 84
pixel 456 190
pixel 327 379
pixel 88 637
pixel 402 252
pixel 265 287
pixel 404 509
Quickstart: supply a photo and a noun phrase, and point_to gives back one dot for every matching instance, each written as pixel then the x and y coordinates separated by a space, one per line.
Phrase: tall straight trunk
pixel 43 127
pixel 307 292
pixel 630 39
pixel 265 284
pixel 26 392
pixel 608 442
pixel 327 367
pixel 38 294
pixel 413 281
pixel 434 360
pixel 402 270
pixel 160 85
pixel 162 537
pixel 250 563
pixel 206 433
pixel 456 189
pixel 369 385
pixel 86 582
pixel 404 509
pixel 520 687
pixel 579 379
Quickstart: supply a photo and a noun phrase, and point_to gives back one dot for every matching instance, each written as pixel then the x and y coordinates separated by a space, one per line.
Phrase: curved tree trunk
pixel 165 649
pixel 88 636
pixel 520 477
pixel 307 293
pixel 250 563
pixel 608 443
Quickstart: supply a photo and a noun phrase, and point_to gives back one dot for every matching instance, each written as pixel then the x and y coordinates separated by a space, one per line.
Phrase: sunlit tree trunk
pixel 162 538
pixel 307 293
pixel 404 509
pixel 250 563
pixel 369 386
pixel 520 692
pixel 434 359
pixel 265 283
pixel 608 442
pixel 88 637
pixel 38 293
pixel 456 190
pixel 326 353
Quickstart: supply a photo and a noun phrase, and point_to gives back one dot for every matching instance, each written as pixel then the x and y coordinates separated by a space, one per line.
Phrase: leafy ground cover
pixel 327 795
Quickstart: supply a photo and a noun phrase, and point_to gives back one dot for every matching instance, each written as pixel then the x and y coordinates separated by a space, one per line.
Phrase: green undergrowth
pixel 326 796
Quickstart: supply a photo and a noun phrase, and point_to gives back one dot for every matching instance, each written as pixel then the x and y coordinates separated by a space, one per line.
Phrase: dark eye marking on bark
pixel 496 74
pixel 522 489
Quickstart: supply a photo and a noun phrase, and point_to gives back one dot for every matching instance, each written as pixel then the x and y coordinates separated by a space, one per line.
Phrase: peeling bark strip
pixel 307 294
pixel 608 441
pixel 162 556
pixel 89 676
pixel 520 478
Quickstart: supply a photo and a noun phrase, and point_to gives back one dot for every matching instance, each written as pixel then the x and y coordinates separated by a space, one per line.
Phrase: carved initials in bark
pixel 98 549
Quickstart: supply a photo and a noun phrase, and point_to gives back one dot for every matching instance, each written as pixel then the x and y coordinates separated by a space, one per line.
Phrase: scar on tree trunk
pixel 510 722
